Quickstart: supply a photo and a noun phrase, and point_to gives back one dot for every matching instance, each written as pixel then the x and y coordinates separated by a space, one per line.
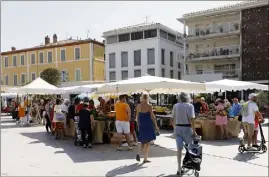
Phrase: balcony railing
pixel 214 52
pixel 226 74
pixel 214 29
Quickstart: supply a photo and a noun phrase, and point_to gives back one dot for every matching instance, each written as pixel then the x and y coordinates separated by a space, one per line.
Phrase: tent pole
pixel 225 94
pixel 242 94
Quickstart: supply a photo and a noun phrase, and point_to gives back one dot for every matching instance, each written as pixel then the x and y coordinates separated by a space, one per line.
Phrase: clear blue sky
pixel 25 24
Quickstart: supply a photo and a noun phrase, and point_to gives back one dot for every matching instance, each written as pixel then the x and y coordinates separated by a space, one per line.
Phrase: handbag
pixel 59 117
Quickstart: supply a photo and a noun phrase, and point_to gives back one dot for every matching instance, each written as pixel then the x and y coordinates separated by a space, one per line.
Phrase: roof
pixel 226 8
pixel 61 43
pixel 137 27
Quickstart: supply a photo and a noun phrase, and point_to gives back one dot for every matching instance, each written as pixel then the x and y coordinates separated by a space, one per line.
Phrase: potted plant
pixel 220 28
pixel 236 26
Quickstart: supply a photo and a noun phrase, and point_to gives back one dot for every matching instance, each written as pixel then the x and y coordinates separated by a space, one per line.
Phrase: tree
pixel 52 76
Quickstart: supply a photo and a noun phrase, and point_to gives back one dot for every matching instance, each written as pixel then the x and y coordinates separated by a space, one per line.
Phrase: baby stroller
pixel 193 157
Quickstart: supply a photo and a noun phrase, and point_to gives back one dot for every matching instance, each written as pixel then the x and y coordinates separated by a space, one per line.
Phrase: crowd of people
pixel 139 121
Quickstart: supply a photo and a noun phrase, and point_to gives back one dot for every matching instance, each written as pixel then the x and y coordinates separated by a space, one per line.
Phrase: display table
pixel 100 127
pixel 210 131
pixel 164 121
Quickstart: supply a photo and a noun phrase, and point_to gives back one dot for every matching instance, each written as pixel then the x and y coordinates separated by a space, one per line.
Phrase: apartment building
pixel 216 42
pixel 134 51
pixel 78 60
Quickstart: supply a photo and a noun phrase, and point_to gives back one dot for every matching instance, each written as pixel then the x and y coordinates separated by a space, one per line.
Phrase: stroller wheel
pixel 264 148
pixel 196 174
pixel 241 149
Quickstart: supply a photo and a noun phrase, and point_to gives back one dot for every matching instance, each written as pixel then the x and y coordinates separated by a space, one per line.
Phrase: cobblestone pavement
pixel 29 151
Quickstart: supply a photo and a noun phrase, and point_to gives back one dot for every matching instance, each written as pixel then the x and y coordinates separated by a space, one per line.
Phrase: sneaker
pixel 89 145
pixel 255 146
pixel 84 146
pixel 134 144
pixel 119 148
pixel 249 148
pixel 130 148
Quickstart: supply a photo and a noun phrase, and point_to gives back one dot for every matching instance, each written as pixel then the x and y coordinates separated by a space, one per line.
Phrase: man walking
pixel 123 117
pixel 183 114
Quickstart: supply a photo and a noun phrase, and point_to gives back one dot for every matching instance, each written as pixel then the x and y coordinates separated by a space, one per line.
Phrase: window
pixel 163 34
pixel 77 53
pixel 124 75
pixel 15 79
pixel 112 76
pixel 137 73
pixel 50 57
pixel 22 60
pixel 33 76
pixel 124 59
pixel 178 65
pixel 22 79
pixel 199 69
pixel 62 55
pixel 112 60
pixel 163 57
pixel 151 72
pixel 64 76
pixel 171 59
pixel 14 60
pixel 41 57
pixel 150 33
pixel 137 58
pixel 171 37
pixel 124 37
pixel 32 58
pixel 78 75
pixel 151 56
pixel 137 35
pixel 6 62
pixel 6 79
pixel 163 72
pixel 111 39
pixel 171 74
pixel 178 75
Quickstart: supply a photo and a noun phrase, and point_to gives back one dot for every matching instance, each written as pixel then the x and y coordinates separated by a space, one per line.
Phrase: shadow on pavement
pixel 245 157
pixel 101 152
pixel 124 170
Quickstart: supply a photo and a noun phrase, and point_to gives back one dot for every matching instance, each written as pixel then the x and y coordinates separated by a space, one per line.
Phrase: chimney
pixel 13 48
pixel 47 40
pixel 54 38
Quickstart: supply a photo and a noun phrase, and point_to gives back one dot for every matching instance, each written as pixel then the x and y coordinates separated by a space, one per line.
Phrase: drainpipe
pixel 240 51
pixel 185 35
pixel 91 62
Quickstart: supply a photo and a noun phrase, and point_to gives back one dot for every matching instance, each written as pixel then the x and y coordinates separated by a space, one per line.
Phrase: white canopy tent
pixel 38 86
pixel 233 85
pixel 149 83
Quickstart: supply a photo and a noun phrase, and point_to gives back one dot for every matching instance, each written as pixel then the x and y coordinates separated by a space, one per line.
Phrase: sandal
pixel 146 161
pixel 137 157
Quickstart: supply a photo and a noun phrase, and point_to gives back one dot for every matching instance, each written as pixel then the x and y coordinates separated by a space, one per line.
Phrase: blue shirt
pixel 236 109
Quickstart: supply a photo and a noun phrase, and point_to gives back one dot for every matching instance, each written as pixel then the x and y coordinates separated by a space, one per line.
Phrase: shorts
pixel 183 134
pixel 249 128
pixel 132 126
pixel 123 127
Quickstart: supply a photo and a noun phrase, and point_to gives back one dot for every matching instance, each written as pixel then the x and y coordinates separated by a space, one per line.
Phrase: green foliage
pixel 52 76
pixel 263 99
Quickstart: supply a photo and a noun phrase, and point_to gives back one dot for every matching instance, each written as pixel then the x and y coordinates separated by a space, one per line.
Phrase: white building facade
pixel 134 51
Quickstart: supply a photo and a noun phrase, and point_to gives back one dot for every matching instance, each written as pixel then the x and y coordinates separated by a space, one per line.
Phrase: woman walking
pixel 146 127
pixel 47 115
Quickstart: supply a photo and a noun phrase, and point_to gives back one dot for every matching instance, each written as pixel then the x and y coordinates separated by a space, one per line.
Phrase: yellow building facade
pixel 78 60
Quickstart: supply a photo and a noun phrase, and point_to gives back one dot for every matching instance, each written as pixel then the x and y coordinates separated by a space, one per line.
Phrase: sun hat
pixel 252 95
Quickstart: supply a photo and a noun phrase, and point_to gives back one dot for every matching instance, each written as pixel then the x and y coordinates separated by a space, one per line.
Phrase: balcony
pixel 213 53
pixel 214 30
pixel 212 75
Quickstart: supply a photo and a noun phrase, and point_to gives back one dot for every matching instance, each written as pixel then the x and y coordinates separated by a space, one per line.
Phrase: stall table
pixel 164 121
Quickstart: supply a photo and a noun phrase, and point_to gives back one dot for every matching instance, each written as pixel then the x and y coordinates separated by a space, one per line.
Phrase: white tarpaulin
pixel 82 89
pixel 233 85
pixel 38 86
pixel 150 83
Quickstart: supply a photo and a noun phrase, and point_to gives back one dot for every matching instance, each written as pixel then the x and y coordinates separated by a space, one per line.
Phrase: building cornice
pixel 224 9
pixel 140 27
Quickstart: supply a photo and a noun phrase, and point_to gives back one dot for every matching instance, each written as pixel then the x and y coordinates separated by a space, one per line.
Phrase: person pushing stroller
pixel 85 125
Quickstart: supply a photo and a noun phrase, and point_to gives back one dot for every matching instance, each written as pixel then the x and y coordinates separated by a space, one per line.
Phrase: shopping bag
pixel 59 117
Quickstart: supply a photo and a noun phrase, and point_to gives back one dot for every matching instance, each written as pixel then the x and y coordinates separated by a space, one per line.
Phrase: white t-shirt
pixel 252 108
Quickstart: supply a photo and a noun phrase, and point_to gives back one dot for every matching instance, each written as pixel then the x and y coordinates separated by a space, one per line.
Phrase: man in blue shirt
pixel 236 107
